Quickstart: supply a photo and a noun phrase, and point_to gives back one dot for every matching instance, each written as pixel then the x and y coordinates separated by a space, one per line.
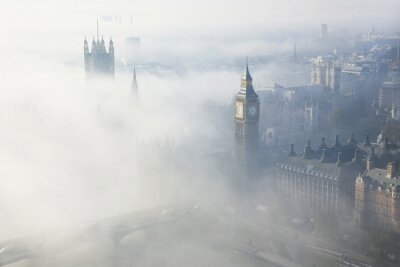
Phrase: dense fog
pixel 74 151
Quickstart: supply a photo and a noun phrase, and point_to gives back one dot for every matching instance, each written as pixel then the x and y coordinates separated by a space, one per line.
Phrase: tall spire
pixel 246 74
pixel 85 46
pixel 111 46
pixel 134 85
pixel 246 84
pixel 94 45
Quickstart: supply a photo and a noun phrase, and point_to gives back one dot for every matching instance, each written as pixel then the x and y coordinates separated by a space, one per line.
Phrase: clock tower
pixel 247 114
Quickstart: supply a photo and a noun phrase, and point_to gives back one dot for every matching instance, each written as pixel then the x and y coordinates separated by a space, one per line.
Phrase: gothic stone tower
pixel 326 71
pixel 99 61
pixel 247 113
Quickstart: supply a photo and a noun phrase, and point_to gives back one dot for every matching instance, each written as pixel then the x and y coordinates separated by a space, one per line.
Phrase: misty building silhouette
pixel 247 113
pixel 326 71
pixel 324 32
pixel 389 93
pixel 311 116
pixel 377 191
pixel 98 60
pixel 294 55
pixel 134 85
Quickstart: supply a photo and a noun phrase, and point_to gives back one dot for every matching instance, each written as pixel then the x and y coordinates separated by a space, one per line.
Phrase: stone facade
pixel 98 60
pixel 247 113
pixel 321 180
pixel 326 71
pixel 377 191
pixel 389 94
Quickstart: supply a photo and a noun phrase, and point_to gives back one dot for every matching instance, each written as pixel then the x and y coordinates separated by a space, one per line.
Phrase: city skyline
pixel 262 133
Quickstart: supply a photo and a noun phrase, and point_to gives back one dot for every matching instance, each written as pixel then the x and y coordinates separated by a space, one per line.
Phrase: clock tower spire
pixel 247 113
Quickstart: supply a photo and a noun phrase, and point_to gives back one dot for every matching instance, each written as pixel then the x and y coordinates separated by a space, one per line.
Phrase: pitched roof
pixel 378 177
pixel 246 85
pixel 312 167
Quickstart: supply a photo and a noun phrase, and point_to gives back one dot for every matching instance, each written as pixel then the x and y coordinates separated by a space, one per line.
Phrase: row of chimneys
pixel 323 145
pixel 392 167
pixel 352 140
pixel 339 161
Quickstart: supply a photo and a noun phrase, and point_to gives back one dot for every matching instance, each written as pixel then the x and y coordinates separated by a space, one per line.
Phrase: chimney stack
pixel 390 170
pixel 356 158
pixel 370 159
pixel 323 156
pixel 307 150
pixel 337 142
pixel 367 141
pixel 292 153
pixel 323 144
pixel 352 140
pixel 339 159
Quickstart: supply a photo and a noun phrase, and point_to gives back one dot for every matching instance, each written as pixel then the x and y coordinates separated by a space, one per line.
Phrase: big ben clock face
pixel 239 110
pixel 252 110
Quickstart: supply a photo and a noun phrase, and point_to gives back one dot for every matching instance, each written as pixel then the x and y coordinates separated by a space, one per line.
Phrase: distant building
pixel 132 53
pixel 247 113
pixel 354 78
pixel 389 94
pixel 133 42
pixel 311 120
pixel 377 199
pixel 326 71
pixel 324 32
pixel 302 110
pixel 294 56
pixel 395 112
pixel 377 196
pixel 98 60
pixel 296 95
pixel 377 190
pixel 321 180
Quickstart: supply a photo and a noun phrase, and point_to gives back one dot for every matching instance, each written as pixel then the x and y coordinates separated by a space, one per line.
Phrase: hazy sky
pixel 62 157
pixel 184 17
